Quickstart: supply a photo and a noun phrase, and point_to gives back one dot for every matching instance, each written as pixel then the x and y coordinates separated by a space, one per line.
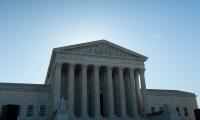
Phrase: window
pixel 178 111
pixel 42 110
pixel 30 110
pixel 185 111
pixel 161 109
pixel 152 109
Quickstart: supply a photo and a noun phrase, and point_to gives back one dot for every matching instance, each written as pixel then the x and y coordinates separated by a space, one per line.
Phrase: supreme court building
pixel 97 80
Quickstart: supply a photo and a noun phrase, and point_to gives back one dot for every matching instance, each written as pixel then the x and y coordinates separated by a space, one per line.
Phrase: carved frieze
pixel 101 49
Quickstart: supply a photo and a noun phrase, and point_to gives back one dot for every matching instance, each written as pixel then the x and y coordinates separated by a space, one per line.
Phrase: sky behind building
pixel 167 32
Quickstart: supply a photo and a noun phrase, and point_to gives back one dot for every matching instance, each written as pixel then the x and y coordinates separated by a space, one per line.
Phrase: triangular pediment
pixel 102 48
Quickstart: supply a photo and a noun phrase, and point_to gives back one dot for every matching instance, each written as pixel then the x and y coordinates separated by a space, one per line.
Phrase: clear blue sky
pixel 167 31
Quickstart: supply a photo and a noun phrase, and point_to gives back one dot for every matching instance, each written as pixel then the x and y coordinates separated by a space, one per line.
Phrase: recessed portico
pixel 94 81
pixel 100 90
pixel 97 83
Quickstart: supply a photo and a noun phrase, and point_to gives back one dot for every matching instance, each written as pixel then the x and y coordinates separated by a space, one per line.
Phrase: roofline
pixel 86 43
pixel 24 87
pixel 26 84
pixel 102 41
pixel 50 65
pixel 171 91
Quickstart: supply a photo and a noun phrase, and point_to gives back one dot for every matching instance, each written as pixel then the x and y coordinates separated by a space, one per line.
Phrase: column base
pixel 125 117
pixel 98 117
pixel 85 117
pixel 61 116
pixel 138 118
pixel 112 117
pixel 71 117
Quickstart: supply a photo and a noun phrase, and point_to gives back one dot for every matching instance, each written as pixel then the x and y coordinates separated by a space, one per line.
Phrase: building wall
pixel 104 55
pixel 172 100
pixel 24 95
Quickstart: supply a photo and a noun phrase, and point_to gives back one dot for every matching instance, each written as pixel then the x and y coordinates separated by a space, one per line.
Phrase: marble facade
pixel 100 80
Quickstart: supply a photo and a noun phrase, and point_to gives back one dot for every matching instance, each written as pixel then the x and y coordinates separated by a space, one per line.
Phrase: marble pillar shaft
pixel 71 89
pixel 84 90
pixel 96 91
pixel 134 89
pixel 122 92
pixel 110 91
pixel 57 84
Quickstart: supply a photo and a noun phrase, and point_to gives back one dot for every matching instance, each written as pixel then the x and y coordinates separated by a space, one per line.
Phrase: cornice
pixel 99 42
pixel 158 92
pixel 66 50
pixel 102 56
pixel 24 87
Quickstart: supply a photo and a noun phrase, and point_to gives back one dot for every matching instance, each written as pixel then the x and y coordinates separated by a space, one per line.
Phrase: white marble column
pixel 143 88
pixel 137 81
pixel 122 92
pixel 57 83
pixel 71 89
pixel 142 78
pixel 84 91
pixel 138 92
pixel 133 92
pixel 96 91
pixel 110 92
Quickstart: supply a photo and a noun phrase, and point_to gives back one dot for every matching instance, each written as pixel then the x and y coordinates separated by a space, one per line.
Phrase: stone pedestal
pixel 62 113
pixel 62 116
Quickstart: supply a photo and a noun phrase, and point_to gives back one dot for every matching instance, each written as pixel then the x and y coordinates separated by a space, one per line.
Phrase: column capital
pixel 109 67
pixel 121 68
pixel 84 65
pixel 96 66
pixel 142 69
pixel 71 64
pixel 131 68
pixel 59 63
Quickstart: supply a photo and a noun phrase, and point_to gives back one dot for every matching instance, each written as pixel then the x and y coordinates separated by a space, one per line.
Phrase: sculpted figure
pixel 62 105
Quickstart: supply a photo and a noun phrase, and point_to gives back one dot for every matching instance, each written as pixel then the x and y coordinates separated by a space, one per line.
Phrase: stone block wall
pixel 175 101
pixel 24 95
